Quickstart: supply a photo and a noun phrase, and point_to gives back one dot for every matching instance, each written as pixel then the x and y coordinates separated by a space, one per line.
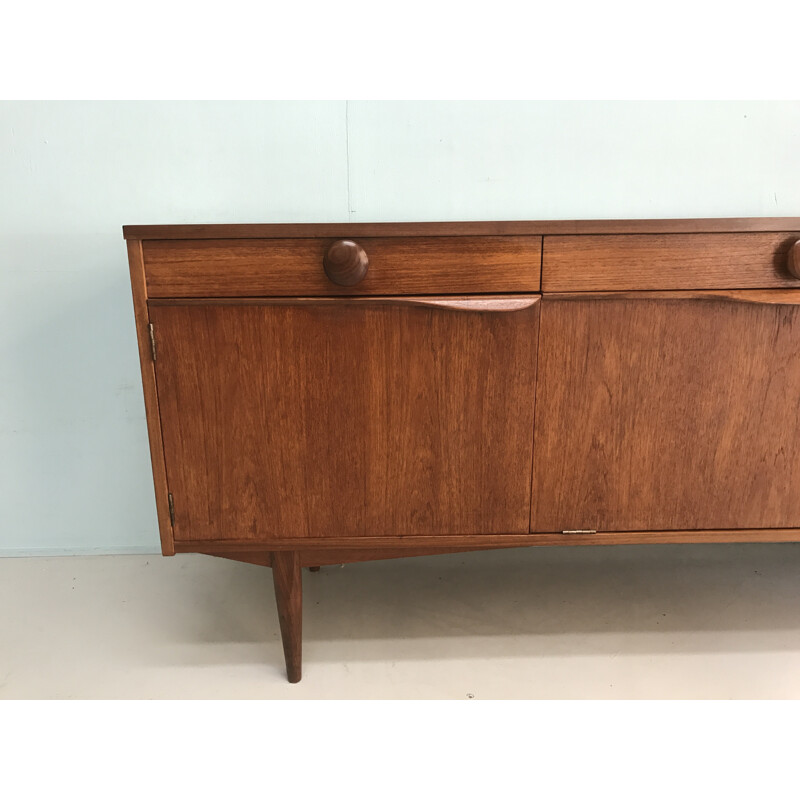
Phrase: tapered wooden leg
pixel 289 597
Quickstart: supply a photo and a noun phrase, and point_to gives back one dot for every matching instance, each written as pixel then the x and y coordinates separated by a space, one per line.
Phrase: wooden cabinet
pixel 320 394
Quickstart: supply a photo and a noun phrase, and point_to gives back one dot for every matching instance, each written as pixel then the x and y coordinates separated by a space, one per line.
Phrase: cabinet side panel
pixel 136 263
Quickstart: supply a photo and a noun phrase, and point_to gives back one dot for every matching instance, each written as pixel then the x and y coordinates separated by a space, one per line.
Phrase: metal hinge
pixel 152 341
pixel 171 509
pixel 579 531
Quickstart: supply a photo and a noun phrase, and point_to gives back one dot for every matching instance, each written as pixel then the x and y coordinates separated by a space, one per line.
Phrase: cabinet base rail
pixel 488 541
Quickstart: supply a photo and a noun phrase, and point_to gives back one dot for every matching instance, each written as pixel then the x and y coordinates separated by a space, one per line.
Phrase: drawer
pixel 294 267
pixel 668 261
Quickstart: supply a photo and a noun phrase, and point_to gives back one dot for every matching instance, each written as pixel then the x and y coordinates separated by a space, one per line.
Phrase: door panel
pixel 350 417
pixel 668 411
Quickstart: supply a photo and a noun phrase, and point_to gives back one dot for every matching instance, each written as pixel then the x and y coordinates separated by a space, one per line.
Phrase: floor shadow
pixel 570 600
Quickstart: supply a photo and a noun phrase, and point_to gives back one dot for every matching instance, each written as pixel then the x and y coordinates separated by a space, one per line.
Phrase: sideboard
pixel 329 393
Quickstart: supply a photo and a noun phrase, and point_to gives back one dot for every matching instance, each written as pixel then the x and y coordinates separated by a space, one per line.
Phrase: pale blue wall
pixel 74 463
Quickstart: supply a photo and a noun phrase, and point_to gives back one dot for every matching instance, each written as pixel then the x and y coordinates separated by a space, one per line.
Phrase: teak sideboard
pixel 323 394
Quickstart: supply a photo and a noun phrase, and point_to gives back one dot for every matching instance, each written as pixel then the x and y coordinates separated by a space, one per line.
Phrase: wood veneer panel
pixel 294 267
pixel 668 261
pixel 348 418
pixel 668 412
pixel 484 228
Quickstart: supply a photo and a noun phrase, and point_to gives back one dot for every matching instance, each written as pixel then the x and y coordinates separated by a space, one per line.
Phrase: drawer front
pixel 294 267
pixel 668 261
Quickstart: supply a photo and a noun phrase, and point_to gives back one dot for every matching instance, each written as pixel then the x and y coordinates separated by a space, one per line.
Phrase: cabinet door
pixel 347 417
pixel 668 411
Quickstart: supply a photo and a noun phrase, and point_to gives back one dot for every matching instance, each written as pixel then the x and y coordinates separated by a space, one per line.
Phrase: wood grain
pixel 346 419
pixel 348 230
pixel 667 413
pixel 294 267
pixel 669 261
pixel 288 580
pixel 411 543
pixel 140 310
pixel 345 262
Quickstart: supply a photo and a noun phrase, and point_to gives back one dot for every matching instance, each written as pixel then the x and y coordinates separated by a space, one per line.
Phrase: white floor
pixel 661 621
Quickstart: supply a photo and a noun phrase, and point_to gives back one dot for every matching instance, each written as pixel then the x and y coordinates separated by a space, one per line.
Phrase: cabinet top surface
pixel 497 228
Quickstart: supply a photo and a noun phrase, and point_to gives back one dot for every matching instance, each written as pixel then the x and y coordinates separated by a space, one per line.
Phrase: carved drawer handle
pixel 794 259
pixel 483 304
pixel 345 262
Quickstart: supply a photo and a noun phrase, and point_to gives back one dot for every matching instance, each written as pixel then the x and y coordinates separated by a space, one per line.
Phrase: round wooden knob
pixel 794 259
pixel 345 262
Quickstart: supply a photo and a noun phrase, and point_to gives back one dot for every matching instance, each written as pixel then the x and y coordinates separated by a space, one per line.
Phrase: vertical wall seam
pixel 347 150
